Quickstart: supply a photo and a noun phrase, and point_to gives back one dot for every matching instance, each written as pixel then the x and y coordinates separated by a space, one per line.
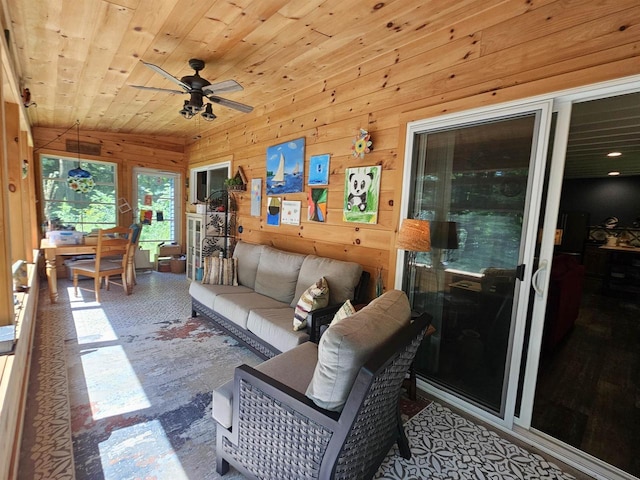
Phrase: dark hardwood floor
pixel 588 392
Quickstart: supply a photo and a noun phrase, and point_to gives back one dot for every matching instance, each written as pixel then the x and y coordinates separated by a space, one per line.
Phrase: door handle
pixel 534 280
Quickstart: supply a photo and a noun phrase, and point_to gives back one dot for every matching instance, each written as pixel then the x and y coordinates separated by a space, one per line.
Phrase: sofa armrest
pixel 316 319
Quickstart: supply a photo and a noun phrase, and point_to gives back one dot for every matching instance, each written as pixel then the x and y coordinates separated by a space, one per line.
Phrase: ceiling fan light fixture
pixel 185 111
pixel 208 114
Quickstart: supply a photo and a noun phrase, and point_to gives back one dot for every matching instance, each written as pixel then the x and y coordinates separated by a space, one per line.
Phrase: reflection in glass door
pixel 473 182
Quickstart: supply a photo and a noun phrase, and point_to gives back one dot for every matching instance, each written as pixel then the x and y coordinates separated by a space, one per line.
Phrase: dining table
pixel 52 251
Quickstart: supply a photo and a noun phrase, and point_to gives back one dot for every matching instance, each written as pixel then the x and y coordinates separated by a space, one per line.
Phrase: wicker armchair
pixel 279 433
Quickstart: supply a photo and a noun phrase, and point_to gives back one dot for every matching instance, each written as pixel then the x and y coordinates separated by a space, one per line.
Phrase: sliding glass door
pixel 475 178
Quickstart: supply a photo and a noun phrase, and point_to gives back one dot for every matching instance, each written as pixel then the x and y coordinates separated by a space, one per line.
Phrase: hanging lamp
pixel 78 179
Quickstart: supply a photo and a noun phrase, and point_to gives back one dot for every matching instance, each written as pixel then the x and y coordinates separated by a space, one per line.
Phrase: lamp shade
pixel 444 235
pixel 414 235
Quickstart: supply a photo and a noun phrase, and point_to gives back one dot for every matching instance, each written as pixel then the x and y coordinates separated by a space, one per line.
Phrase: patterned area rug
pixel 446 446
pixel 117 392
pixel 141 405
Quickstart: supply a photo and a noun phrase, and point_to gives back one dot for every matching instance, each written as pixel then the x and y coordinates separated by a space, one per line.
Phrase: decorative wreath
pixel 362 144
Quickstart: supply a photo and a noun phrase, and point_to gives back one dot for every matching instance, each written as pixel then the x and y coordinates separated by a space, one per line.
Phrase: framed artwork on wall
pixel 256 197
pixel 285 167
pixel 317 204
pixel 273 211
pixel 361 194
pixel 319 169
pixel 290 212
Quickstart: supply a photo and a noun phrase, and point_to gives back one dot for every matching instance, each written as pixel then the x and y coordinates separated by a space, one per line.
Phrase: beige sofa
pixel 259 311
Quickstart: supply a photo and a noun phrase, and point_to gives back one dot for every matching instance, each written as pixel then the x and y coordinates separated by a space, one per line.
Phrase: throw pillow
pixel 314 297
pixel 346 310
pixel 220 271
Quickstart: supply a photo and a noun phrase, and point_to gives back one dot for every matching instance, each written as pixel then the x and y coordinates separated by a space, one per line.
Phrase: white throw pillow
pixel 346 310
pixel 313 298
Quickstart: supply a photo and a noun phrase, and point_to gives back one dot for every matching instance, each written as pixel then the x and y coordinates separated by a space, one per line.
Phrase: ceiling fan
pixel 199 88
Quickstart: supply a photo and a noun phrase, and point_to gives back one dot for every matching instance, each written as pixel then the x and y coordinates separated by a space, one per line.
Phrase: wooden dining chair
pixel 112 258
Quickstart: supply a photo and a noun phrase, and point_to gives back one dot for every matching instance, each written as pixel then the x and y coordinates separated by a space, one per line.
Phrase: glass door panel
pixel 157 204
pixel 473 183
pixel 587 387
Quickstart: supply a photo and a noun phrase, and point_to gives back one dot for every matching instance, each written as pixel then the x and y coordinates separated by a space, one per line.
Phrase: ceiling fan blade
pixel 166 75
pixel 230 104
pixel 167 90
pixel 222 87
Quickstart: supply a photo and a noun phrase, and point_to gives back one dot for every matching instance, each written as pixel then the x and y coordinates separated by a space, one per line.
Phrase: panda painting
pixel 359 183
pixel 362 187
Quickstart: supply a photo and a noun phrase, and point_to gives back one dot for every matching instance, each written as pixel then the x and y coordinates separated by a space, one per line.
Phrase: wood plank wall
pixel 510 50
pixel 126 150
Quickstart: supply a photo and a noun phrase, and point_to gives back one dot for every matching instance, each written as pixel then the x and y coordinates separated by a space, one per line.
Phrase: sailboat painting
pixel 285 167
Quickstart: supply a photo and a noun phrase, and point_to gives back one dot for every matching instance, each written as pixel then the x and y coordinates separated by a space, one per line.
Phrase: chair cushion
pixel 278 273
pixel 303 358
pixel 342 277
pixel 273 325
pixel 236 306
pixel 313 298
pixel 346 346
pixel 207 294
pixel 248 256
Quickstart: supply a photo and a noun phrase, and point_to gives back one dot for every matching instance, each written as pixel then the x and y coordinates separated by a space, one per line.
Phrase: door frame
pixel 520 426
pixel 543 110
pixel 178 217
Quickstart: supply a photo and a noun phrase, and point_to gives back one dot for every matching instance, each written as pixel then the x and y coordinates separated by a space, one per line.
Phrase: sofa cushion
pixel 346 346
pixel 277 274
pixel 279 367
pixel 342 277
pixel 248 256
pixel 273 325
pixel 206 294
pixel 236 306
pixel 313 298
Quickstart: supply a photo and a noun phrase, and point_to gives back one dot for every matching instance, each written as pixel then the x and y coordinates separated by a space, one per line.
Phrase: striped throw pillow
pixel 313 298
pixel 220 271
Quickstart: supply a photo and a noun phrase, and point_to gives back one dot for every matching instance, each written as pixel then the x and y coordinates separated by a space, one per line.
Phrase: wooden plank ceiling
pixel 79 59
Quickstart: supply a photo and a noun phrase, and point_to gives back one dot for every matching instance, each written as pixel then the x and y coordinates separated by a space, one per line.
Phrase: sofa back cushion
pixel 342 278
pixel 248 256
pixel 277 274
pixel 346 346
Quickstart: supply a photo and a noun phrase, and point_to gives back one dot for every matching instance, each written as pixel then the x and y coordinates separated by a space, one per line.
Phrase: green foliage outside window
pixel 84 211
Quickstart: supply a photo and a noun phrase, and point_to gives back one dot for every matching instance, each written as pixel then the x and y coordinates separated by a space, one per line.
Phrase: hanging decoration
pixel 362 144
pixel 78 179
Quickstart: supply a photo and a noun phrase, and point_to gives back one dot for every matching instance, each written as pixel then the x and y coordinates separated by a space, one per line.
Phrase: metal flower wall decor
pixel 362 144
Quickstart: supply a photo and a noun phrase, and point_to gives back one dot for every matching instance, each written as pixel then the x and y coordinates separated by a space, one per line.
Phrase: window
pixel 158 202
pixel 205 180
pixel 83 211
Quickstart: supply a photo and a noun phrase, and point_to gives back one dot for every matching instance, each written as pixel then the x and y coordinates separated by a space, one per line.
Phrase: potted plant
pixel 234 183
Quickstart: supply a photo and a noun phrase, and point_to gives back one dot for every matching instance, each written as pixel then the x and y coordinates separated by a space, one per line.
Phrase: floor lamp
pixel 414 236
